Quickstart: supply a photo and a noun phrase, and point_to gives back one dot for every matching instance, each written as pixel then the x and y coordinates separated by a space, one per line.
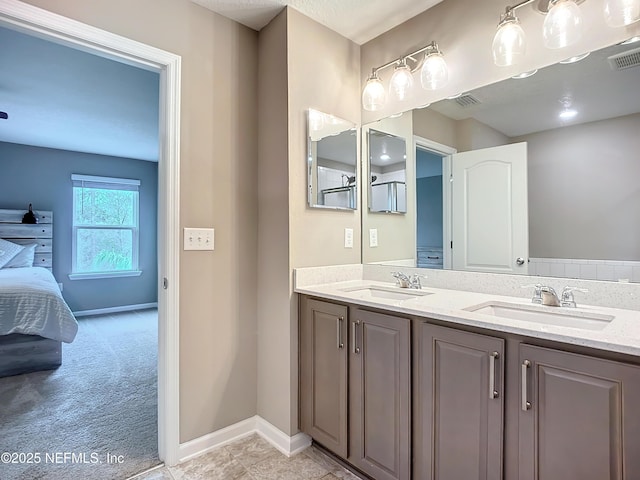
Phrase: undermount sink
pixel 558 316
pixel 387 293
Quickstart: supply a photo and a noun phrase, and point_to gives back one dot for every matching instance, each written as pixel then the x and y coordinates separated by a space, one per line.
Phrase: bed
pixel 34 318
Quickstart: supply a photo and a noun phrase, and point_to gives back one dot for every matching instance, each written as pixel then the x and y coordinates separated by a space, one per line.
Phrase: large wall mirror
pixel 572 130
pixel 332 157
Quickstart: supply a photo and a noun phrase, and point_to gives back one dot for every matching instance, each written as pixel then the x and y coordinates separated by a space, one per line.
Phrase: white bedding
pixel 31 304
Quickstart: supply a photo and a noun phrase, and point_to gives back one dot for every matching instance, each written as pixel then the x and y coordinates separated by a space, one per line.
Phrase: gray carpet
pixel 102 400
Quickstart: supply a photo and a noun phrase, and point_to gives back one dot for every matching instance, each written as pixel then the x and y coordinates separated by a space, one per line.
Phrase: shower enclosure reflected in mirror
pixel 332 157
pixel 388 172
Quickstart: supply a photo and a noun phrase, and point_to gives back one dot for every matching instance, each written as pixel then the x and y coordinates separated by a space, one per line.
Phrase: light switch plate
pixel 373 237
pixel 348 238
pixel 199 238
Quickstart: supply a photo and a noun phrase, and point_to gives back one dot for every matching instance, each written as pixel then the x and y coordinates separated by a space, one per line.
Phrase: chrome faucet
pixel 405 281
pixel 545 295
pixel 549 296
pixel 567 296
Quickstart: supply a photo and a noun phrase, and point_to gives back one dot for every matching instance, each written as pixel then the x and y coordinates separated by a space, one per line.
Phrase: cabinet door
pixel 460 382
pixel 323 373
pixel 579 417
pixel 379 395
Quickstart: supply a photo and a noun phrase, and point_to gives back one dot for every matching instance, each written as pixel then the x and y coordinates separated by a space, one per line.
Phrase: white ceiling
pixel 63 98
pixel 358 20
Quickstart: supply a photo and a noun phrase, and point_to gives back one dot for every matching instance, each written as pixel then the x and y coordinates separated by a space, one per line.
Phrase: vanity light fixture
pixel 620 13
pixel 562 25
pixel 434 74
pixel 509 42
pixel 401 81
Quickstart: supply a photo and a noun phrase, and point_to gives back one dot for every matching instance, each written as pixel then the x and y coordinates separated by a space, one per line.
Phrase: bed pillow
pixel 23 258
pixel 8 250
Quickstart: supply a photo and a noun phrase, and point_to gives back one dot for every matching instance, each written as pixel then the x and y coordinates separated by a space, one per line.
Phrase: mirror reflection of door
pixel 490 227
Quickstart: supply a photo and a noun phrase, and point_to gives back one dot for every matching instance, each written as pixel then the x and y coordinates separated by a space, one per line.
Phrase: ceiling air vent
pixel 625 60
pixel 467 100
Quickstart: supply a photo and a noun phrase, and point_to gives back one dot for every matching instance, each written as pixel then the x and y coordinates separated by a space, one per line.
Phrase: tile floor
pixel 253 458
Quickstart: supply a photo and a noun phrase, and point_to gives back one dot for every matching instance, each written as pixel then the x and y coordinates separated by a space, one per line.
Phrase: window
pixel 105 227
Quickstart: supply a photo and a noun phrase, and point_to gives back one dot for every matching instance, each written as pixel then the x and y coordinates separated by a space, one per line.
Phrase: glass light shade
pixel 509 43
pixel 374 95
pixel 434 73
pixel 401 82
pixel 562 25
pixel 620 13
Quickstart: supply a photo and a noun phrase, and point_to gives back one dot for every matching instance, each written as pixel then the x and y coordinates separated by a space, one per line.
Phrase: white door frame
pixel 56 28
pixel 446 152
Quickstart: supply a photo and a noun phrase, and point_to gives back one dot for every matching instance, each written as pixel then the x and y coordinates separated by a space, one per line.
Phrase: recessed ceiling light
pixel 525 74
pixel 575 59
pixel 631 40
pixel 453 97
pixel 568 113
pixel 385 157
pixel 423 106
pixel 396 115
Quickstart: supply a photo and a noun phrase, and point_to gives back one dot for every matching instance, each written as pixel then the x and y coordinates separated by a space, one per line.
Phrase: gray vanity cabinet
pixel 459 404
pixel 379 395
pixel 579 417
pixel 323 373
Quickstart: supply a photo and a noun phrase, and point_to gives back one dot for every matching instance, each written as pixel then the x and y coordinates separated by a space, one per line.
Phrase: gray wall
pixel 42 176
pixel 428 199
pixel 584 200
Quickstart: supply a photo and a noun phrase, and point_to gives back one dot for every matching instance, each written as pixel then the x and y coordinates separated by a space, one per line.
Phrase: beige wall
pixel 584 199
pixel 434 126
pixel 218 188
pixel 396 232
pixel 293 80
pixel 464 30
pixel 274 316
pixel 474 135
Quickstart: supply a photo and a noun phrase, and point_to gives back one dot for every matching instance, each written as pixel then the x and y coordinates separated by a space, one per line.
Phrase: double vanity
pixel 445 383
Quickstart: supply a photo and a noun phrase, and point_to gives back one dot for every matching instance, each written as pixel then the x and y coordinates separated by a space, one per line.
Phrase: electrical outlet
pixel 348 238
pixel 199 238
pixel 373 237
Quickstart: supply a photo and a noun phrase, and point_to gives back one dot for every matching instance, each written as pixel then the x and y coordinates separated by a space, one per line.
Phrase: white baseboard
pixel 280 440
pixel 123 308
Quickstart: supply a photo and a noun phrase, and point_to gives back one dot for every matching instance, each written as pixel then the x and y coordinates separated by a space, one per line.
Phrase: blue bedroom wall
pixel 429 199
pixel 42 176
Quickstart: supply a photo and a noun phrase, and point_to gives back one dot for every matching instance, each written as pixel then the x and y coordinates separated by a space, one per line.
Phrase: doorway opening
pixel 62 30
pixel 433 204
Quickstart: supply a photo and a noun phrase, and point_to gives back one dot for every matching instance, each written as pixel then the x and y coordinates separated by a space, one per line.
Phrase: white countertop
pixel 622 334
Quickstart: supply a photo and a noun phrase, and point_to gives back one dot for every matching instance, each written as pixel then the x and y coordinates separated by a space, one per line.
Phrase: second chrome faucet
pixel 545 295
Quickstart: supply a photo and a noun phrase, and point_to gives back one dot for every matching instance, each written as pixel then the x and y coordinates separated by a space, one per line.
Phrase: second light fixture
pixel 434 74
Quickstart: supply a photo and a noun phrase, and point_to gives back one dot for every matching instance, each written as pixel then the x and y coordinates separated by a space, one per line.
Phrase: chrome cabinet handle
pixel 526 405
pixel 493 393
pixel 354 331
pixel 339 321
pixel 520 261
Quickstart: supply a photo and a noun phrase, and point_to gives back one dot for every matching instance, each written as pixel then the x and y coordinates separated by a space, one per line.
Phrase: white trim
pixel 256 424
pixel 122 308
pixel 283 442
pixel 95 179
pixel 99 275
pixel 446 151
pixel 219 438
pixel 59 29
